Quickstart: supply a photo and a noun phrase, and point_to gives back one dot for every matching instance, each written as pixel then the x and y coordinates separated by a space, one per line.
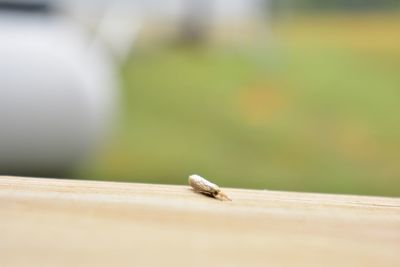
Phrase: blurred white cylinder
pixel 56 95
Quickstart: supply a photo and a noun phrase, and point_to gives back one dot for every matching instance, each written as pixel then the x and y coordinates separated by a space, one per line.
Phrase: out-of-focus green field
pixel 316 108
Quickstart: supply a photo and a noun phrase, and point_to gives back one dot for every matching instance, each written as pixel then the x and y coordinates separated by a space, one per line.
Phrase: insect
pixel 201 185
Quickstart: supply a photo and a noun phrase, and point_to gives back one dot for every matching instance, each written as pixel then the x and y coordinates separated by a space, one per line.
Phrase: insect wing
pixel 201 185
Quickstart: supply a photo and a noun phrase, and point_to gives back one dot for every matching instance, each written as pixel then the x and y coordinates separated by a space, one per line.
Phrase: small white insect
pixel 201 185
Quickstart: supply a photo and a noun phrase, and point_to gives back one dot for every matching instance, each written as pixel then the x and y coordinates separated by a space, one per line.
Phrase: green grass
pixel 303 114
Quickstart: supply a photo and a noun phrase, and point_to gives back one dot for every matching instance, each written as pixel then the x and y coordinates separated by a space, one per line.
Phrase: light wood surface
pixel 51 222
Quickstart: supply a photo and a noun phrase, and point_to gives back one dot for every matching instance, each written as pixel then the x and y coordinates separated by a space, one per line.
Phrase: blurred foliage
pixel 337 4
pixel 315 109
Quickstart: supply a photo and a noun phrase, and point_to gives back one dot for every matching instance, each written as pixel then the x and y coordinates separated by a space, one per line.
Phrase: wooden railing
pixel 53 222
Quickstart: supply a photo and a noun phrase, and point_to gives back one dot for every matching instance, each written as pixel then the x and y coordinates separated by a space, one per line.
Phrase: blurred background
pixel 283 95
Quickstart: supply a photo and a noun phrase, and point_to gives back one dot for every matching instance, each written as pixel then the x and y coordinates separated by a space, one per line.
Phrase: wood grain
pixel 52 222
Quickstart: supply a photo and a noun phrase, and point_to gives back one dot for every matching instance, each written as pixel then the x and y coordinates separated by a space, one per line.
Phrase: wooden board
pixel 51 222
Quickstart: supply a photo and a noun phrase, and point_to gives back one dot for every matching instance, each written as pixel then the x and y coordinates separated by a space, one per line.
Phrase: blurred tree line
pixel 337 4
